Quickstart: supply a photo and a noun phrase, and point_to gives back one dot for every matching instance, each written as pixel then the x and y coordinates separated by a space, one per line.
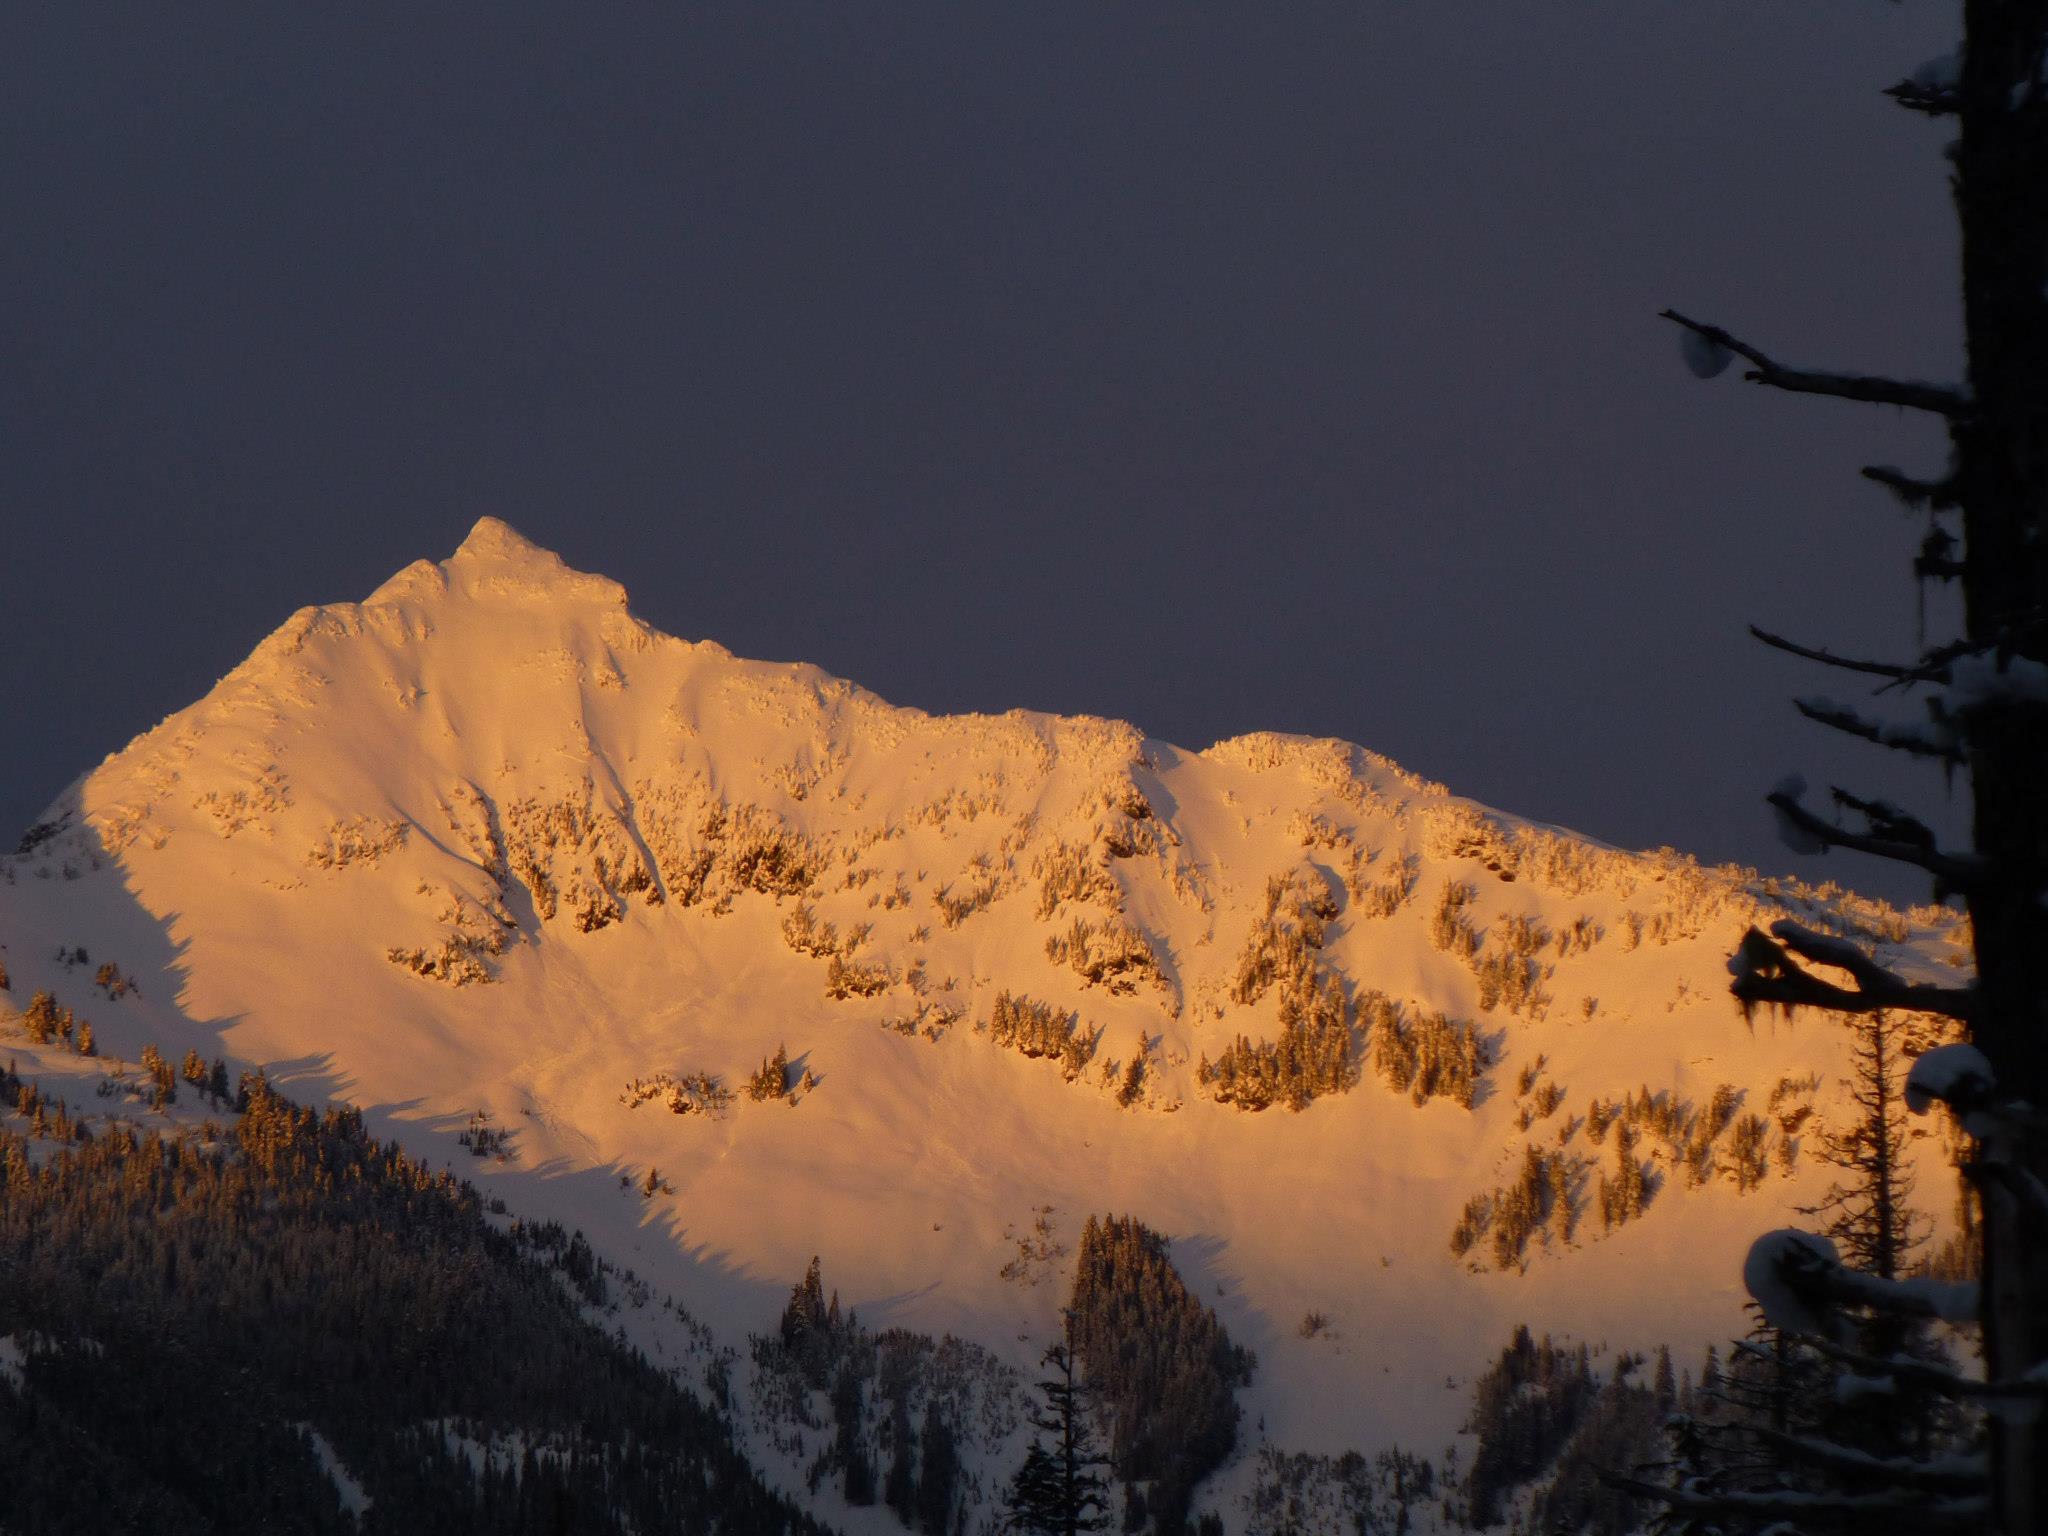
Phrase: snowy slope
pixel 486 842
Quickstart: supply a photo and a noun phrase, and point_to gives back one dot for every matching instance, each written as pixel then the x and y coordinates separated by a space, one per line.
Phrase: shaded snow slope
pixel 487 843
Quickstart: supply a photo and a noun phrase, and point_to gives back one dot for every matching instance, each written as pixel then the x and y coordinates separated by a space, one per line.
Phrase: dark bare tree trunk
pixel 2001 471
pixel 1994 715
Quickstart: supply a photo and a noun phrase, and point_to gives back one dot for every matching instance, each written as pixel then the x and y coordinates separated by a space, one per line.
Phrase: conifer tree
pixel 938 1472
pixel 1060 1490
pixel 851 1445
pixel 1869 1217
pixel 899 1483
pixel 808 1329
pixel 164 1089
pixel 41 1017
pixel 805 1311
pixel 771 1081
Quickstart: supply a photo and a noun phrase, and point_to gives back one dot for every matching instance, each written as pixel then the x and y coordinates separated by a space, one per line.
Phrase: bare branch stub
pixel 1920 495
pixel 1828 658
pixel 1931 100
pixel 1941 399
pixel 1937 560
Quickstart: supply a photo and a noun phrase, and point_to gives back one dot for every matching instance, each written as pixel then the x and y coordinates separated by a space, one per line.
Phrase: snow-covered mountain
pixel 486 845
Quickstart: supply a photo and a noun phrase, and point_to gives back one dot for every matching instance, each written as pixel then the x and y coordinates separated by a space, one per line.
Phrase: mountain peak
pixel 495 539
pixel 497 560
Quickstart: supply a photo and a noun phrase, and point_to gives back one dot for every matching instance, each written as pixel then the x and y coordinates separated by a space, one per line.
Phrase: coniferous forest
pixel 202 1322
pixel 1163 1365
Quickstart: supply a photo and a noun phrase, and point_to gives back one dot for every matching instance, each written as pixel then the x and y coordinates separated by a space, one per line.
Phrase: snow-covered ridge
pixel 487 843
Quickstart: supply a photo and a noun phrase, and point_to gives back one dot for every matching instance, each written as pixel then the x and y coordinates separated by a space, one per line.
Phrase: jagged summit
pixel 492 538
pixel 495 556
pixel 496 559
pixel 487 845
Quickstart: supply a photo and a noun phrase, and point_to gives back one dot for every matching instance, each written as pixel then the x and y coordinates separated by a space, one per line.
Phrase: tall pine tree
pixel 1060 1490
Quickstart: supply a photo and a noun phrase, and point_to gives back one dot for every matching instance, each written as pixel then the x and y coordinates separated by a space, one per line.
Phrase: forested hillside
pixel 274 1322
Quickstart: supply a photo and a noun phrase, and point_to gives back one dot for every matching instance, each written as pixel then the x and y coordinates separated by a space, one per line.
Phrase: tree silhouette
pixel 1986 715
pixel 1060 1489
pixel 1869 1217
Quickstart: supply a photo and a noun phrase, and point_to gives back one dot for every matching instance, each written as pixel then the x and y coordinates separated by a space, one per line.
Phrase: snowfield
pixel 485 845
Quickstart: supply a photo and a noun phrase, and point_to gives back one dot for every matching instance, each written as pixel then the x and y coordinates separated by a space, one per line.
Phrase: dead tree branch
pixel 1916 743
pixel 1954 870
pixel 1930 495
pixel 1766 971
pixel 1941 399
pixel 1931 100
pixel 1829 658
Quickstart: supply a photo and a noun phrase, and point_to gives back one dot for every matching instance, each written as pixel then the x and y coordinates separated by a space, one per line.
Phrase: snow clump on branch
pixel 1795 837
pixel 1786 1274
pixel 1706 357
pixel 1956 1075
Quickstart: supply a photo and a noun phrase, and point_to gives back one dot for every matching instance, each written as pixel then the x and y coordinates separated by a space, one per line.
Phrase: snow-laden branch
pixel 1930 495
pixel 2023 629
pixel 1952 1474
pixel 1983 673
pixel 1915 740
pixel 2032 1388
pixel 1800 1282
pixel 1955 870
pixel 1925 1511
pixel 1942 399
pixel 1885 819
pixel 1766 971
pixel 1958 1075
pixel 1983 681
pixel 1933 100
pixel 1947 1301
pixel 1935 88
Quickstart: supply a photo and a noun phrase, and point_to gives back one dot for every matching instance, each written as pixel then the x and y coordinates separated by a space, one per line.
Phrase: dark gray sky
pixel 1219 367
